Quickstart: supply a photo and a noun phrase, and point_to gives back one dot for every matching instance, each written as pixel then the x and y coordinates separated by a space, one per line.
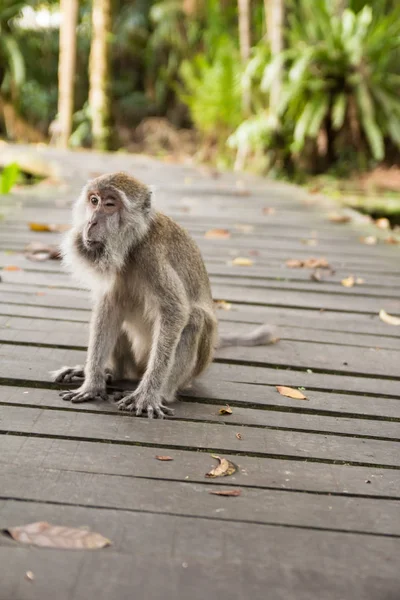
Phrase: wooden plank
pixel 196 559
pixel 184 435
pixel 242 415
pixel 139 462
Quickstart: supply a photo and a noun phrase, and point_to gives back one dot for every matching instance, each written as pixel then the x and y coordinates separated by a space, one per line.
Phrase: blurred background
pixel 307 90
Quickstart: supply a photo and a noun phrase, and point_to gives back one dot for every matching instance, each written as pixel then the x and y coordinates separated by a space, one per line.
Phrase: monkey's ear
pixel 147 200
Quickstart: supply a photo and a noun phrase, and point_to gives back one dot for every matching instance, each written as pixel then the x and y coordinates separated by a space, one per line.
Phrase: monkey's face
pixel 103 217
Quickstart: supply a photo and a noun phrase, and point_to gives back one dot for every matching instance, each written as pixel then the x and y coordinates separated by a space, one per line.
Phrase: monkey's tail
pixel 261 336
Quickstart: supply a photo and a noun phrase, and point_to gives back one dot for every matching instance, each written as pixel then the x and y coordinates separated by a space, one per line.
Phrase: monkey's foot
pixel 141 403
pixel 84 394
pixel 68 374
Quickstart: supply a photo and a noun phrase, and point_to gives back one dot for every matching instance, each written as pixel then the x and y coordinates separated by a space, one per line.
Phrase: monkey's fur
pixel 153 316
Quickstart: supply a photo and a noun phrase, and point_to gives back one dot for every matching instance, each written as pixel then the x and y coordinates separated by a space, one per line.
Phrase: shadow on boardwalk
pixel 318 515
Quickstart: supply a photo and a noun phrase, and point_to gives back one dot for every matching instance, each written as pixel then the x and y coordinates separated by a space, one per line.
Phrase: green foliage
pixel 340 76
pixel 8 177
pixel 212 90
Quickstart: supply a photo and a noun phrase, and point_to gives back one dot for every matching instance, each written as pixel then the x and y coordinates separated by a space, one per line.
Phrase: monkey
pixel 153 316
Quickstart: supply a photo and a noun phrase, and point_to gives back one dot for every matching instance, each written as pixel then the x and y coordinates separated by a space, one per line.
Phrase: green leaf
pixel 339 110
pixel 8 177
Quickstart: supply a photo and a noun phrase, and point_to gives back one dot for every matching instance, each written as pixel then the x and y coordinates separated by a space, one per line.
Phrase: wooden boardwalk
pixel 319 512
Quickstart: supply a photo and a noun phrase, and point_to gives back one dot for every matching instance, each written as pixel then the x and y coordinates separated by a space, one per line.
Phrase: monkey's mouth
pixel 92 244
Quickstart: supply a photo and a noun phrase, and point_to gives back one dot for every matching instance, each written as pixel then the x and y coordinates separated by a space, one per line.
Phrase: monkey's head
pixel 111 216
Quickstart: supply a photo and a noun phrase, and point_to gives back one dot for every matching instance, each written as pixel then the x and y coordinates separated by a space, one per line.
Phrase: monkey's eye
pixel 110 203
pixel 93 200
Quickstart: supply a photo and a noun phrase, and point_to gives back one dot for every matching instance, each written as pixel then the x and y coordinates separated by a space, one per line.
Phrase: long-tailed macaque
pixel 153 316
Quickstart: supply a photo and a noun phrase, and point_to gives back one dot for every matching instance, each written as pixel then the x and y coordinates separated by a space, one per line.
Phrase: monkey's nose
pixel 92 223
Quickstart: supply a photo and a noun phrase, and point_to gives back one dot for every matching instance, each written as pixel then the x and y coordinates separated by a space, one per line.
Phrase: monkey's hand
pixel 68 374
pixel 86 393
pixel 144 403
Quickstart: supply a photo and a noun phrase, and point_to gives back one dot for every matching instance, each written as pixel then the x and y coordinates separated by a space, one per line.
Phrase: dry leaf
pixel 239 436
pixel 29 576
pixel 226 492
pixel 268 210
pixel 290 392
pixel 48 227
pixel 316 276
pixel 217 233
pixel 308 263
pixel 311 242
pixel 254 252
pixel 244 228
pixel 338 218
pixel 241 261
pixel 164 458
pixel 348 281
pixel 370 240
pixel 225 467
pixel 389 319
pixel 225 411
pixel 392 240
pixel 359 280
pixel 56 536
pixel 12 268
pixel 38 252
pixel 222 304
pixel 383 223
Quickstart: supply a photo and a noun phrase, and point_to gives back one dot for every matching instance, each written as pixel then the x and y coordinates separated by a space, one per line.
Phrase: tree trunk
pixel 274 14
pixel 99 74
pixel 66 69
pixel 245 45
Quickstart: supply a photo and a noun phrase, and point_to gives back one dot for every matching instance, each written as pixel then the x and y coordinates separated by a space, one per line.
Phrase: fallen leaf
pixel 29 576
pixel 244 228
pixel 226 492
pixel 12 268
pixel 383 223
pixel 360 280
pixel 254 252
pixel 370 240
pixel 39 252
pixel 308 263
pixel 389 319
pixel 348 281
pixel 222 304
pixel 311 242
pixel 217 233
pixel 239 436
pixel 48 227
pixel 225 467
pixel 164 458
pixel 225 411
pixel 392 240
pixel 268 210
pixel 56 536
pixel 290 392
pixel 338 218
pixel 315 189
pixel 241 261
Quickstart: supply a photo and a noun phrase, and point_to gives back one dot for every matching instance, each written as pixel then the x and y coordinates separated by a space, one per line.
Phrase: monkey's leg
pixel 104 331
pixel 193 354
pixel 147 398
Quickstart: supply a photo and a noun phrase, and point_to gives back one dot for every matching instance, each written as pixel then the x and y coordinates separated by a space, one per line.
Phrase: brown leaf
pixel 222 304
pixel 226 492
pixel 57 536
pixel 241 261
pixel 389 319
pixel 369 240
pixel 225 411
pixel 268 210
pixel 338 218
pixel 316 276
pixel 12 268
pixel 225 467
pixel 164 458
pixel 392 240
pixel 48 227
pixel 217 233
pixel 239 436
pixel 308 263
pixel 310 242
pixel 254 252
pixel 290 392
pixel 348 281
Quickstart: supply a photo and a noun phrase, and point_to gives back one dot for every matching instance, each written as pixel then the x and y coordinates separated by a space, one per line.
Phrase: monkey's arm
pixel 104 329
